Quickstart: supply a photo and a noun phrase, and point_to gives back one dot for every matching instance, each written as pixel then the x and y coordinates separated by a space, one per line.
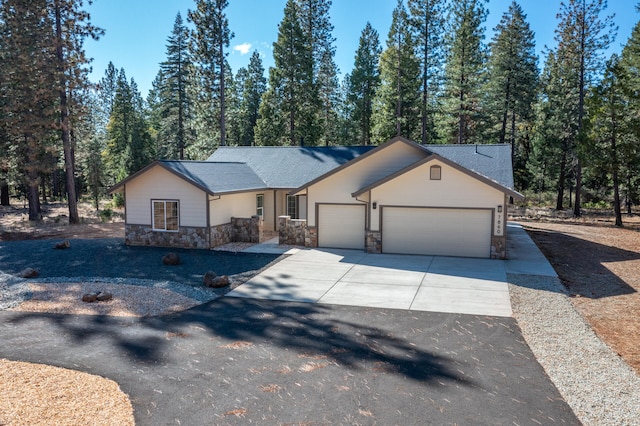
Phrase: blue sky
pixel 137 30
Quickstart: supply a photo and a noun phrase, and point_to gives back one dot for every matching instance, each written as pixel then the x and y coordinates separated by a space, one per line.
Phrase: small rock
pixel 208 278
pixel 171 259
pixel 62 245
pixel 29 273
pixel 103 297
pixel 219 282
pixel 90 297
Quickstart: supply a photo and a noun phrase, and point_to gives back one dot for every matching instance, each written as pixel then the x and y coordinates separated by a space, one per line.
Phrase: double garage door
pixel 436 231
pixel 410 230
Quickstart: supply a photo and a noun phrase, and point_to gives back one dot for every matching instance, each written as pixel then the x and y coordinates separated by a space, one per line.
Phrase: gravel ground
pixel 13 291
pixel 110 261
pixel 596 383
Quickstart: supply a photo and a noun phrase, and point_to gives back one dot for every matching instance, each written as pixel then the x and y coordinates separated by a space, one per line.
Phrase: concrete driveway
pixel 419 283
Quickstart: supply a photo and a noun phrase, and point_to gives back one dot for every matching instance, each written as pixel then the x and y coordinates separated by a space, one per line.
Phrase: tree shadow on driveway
pixel 283 362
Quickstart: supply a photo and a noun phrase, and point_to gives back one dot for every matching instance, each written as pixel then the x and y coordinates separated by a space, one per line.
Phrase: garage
pixel 341 226
pixel 436 231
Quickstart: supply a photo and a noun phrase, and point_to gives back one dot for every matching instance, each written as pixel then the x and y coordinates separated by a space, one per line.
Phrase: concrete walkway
pixel 419 283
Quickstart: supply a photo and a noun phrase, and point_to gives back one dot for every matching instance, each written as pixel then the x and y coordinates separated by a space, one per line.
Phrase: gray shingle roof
pixel 490 161
pixel 291 166
pixel 218 177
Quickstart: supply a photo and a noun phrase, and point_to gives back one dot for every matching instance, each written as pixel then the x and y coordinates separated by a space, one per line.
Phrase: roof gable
pixel 363 157
pixel 211 177
pixel 434 157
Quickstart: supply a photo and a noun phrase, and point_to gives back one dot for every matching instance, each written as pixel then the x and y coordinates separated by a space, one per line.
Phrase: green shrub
pixel 118 200
pixel 105 215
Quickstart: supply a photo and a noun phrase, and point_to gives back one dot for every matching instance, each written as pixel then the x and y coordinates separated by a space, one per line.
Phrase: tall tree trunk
pixel 614 172
pixel 583 36
pixel 64 122
pixel 399 90
pixel 561 179
pixel 223 125
pixel 425 85
pixel 513 139
pixel 4 190
pixel 4 194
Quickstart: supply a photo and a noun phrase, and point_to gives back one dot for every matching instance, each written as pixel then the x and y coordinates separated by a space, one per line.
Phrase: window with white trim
pixel 292 206
pixel 260 205
pixel 435 173
pixel 165 215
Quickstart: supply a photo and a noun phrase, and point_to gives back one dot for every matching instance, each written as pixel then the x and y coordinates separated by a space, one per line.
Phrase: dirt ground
pixel 15 225
pixel 599 265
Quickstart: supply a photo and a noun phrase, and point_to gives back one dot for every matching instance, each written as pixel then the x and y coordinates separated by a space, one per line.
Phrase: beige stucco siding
pixel 337 188
pixel 414 188
pixel 160 184
pixel 243 204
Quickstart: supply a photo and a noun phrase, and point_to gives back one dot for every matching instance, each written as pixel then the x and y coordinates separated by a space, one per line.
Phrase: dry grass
pixel 35 394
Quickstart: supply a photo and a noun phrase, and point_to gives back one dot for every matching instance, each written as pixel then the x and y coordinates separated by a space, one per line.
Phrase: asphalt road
pixel 242 361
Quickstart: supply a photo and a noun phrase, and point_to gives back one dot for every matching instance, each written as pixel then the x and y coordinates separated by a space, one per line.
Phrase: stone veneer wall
pixel 243 230
pixel 186 237
pixel 296 232
pixel 373 242
pixel 221 234
pixel 248 230
pixel 499 247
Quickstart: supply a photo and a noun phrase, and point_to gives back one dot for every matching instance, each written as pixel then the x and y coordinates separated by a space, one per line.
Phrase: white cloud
pixel 243 48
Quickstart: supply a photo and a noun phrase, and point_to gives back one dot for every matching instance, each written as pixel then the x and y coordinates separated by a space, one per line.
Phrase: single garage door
pixel 441 232
pixel 341 226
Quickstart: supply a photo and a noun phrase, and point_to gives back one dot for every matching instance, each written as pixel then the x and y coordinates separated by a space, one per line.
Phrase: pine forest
pixel 572 117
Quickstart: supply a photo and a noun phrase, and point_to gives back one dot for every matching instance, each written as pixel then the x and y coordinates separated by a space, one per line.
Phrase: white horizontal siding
pixel 160 184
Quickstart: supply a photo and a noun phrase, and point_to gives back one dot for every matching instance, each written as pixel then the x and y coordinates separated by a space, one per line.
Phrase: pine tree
pixel 363 83
pixel 397 105
pixel 28 84
pixel 629 70
pixel 582 37
pixel 318 30
pixel 288 113
pixel 554 127
pixel 465 72
pixel 254 85
pixel 427 21
pixel 72 26
pixel 211 38
pixel 129 146
pixel 607 125
pixel 512 85
pixel 174 129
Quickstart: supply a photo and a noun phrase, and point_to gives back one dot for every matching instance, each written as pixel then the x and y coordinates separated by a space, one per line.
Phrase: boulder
pixel 219 282
pixel 103 297
pixel 171 259
pixel 208 278
pixel 62 245
pixel 28 273
pixel 90 297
